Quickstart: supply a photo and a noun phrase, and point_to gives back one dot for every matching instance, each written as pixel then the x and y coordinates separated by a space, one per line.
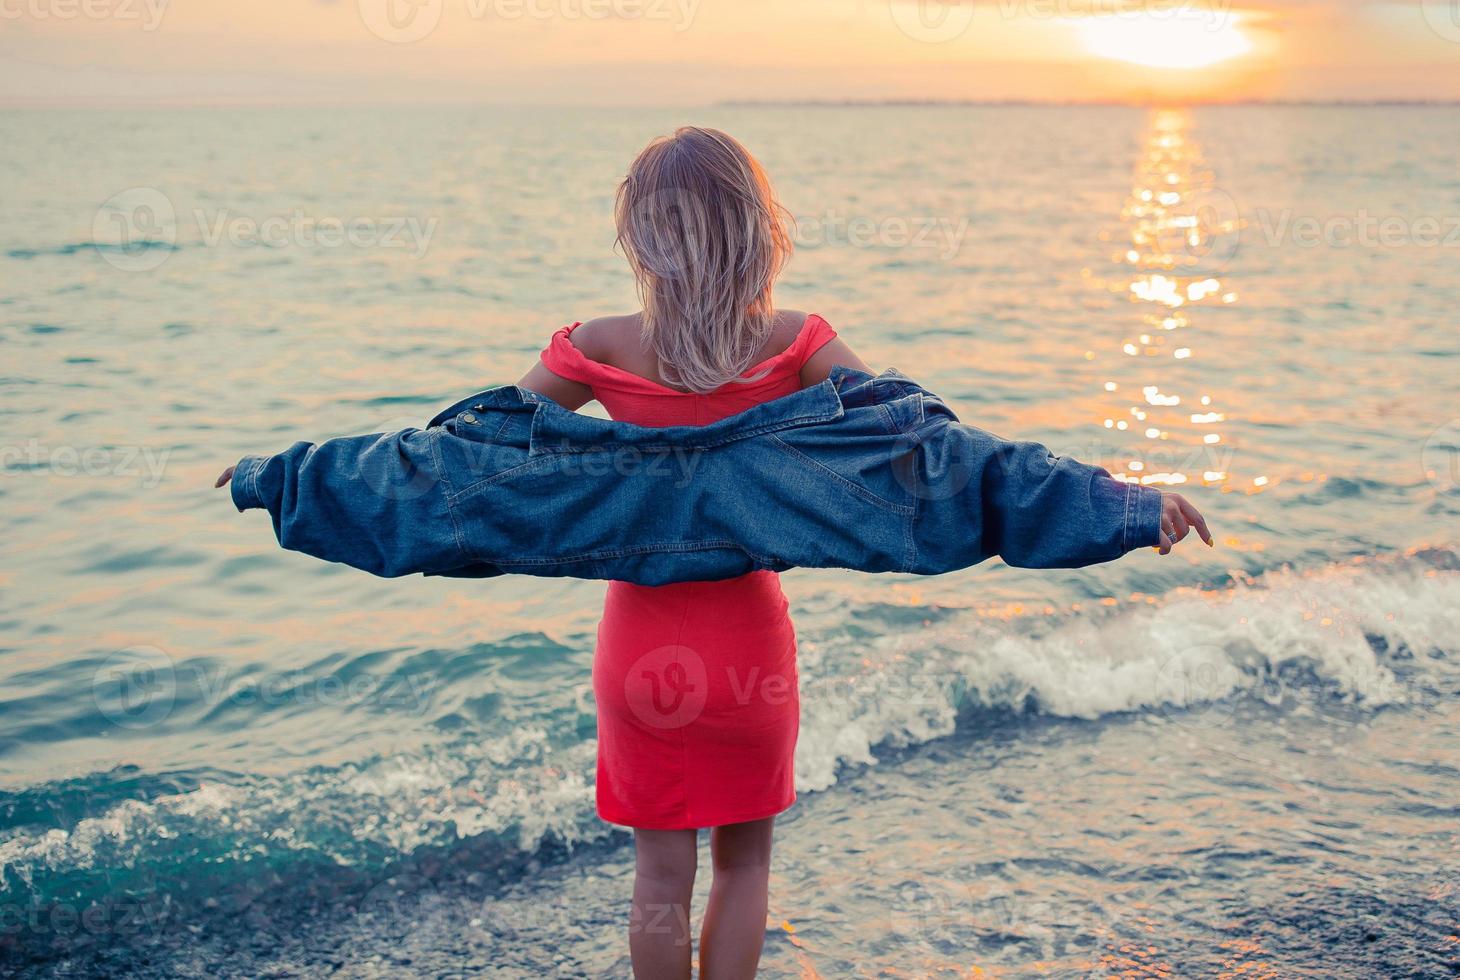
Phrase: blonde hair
pixel 706 239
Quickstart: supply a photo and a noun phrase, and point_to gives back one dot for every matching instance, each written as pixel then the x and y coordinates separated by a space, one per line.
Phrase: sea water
pixel 220 759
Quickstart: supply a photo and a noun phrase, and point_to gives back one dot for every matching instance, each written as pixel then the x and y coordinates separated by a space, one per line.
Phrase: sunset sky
pixel 676 52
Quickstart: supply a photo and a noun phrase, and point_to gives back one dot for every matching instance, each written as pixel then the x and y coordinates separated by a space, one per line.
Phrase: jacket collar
pixel 557 430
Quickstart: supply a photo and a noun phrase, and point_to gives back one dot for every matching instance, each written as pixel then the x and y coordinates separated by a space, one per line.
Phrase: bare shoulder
pixel 785 329
pixel 607 338
pixel 833 353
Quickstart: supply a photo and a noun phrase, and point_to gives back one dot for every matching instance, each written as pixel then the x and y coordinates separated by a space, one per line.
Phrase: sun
pixel 1181 39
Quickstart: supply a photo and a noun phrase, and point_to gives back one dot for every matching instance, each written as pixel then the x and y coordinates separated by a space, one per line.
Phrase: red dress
pixel 698 707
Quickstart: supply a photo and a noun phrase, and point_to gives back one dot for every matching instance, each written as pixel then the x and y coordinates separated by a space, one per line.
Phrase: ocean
pixel 218 759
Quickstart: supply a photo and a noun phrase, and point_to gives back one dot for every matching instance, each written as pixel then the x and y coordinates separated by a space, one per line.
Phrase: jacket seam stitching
pixel 888 421
pixel 838 479
pixel 253 479
pixel 1125 531
pixel 682 547
pixel 910 541
pixel 456 528
pixel 511 472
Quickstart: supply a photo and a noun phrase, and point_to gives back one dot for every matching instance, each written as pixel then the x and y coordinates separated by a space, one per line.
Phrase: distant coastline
pixel 33 105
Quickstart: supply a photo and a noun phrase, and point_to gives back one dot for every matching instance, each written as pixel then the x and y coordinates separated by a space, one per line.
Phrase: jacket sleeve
pixel 375 502
pixel 980 496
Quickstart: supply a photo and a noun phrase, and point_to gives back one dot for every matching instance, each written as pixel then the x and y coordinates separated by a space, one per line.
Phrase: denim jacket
pixel 860 472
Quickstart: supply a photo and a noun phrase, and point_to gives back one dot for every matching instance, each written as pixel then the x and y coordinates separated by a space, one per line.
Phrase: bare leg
pixel 734 929
pixel 664 879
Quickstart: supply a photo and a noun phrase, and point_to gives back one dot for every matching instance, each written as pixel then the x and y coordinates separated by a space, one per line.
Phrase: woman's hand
pixel 1178 517
pixel 223 480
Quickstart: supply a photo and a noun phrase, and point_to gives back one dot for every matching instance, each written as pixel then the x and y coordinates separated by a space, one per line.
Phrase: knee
pixel 662 876
pixel 742 850
pixel 746 861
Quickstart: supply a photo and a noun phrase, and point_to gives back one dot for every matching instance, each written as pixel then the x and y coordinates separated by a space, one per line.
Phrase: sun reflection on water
pixel 1181 230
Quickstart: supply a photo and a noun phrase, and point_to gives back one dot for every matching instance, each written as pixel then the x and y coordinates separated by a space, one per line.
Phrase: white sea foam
pixel 1285 634
pixel 1280 636
pixel 122 830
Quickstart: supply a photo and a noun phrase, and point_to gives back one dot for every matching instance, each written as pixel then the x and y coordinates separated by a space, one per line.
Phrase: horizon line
pixel 91 106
